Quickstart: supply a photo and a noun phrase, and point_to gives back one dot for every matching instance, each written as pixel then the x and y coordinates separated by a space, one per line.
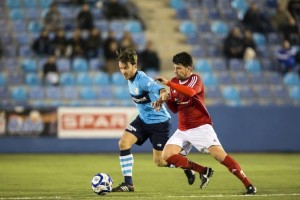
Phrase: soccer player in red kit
pixel 195 124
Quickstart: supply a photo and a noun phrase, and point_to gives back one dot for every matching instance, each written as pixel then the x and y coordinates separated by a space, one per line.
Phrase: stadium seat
pixel 19 26
pixel 240 78
pixel 67 79
pixel 257 78
pixel 80 65
pixel 246 92
pixel 118 79
pixel 13 3
pixel 224 78
pixel 10 51
pixel 182 14
pixel 30 3
pixel 213 92
pixel 202 65
pixel 198 51
pixel 36 93
pixel 2 79
pixel 16 14
pixel 34 27
pixel 236 65
pixel 231 95
pixel 203 27
pixel 19 94
pixel 253 66
pixel 102 25
pixel 133 26
pixel 294 93
pixel 280 91
pixel 95 64
pixel 33 13
pixel 3 92
pixel 104 92
pixel 45 3
pixel 240 5
pixel 187 27
pixel 63 65
pixel 69 92
pixel 15 78
pixel 117 26
pixel 101 79
pixel 177 4
pixel 214 51
pixel 121 93
pixel 84 79
pixel 218 64
pixel 32 79
pixel 87 93
pixel 29 65
pixel 219 28
pixel 53 93
pixel 259 39
pixel 140 40
pixel 25 51
pixel 263 91
pixel 23 38
pixel 209 79
pixel 291 79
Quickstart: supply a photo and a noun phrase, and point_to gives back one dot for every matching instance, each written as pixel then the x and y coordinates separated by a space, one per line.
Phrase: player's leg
pixel 220 155
pixel 126 162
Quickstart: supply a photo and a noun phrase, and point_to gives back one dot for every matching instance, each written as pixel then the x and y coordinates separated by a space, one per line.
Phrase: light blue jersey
pixel 144 91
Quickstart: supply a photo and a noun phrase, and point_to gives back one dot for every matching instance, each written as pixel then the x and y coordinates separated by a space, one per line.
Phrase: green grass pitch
pixel 68 176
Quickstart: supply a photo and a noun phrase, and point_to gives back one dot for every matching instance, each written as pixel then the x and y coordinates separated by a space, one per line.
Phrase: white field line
pixel 154 197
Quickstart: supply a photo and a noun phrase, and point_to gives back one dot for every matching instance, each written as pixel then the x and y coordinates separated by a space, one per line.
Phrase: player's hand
pixel 165 96
pixel 157 105
pixel 162 80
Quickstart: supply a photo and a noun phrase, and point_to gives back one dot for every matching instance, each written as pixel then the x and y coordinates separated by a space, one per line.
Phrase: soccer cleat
pixel 190 174
pixel 123 187
pixel 205 177
pixel 251 190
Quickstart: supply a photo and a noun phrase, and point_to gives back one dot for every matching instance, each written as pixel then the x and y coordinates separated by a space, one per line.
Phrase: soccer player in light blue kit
pixel 149 124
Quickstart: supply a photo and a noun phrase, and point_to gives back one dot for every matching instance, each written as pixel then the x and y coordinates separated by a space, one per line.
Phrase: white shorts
pixel 201 138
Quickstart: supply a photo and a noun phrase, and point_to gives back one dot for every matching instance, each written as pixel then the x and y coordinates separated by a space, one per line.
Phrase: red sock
pixel 235 168
pixel 182 162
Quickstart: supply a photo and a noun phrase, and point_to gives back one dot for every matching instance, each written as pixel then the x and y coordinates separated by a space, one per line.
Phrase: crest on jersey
pixel 136 90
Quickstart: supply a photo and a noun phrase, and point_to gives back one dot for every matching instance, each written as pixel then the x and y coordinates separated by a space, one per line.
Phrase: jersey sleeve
pixel 191 90
pixel 171 103
pixel 148 84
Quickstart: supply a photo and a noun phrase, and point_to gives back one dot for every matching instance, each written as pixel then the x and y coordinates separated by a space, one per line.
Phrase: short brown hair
pixel 128 55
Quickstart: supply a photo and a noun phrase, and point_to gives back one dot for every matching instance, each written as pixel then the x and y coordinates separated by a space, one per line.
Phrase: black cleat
pixel 123 187
pixel 205 177
pixel 190 174
pixel 251 190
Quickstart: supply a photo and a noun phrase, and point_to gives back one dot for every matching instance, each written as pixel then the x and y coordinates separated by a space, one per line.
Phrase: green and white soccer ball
pixel 102 183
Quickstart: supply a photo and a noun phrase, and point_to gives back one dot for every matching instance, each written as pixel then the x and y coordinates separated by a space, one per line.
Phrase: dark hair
pixel 128 55
pixel 183 58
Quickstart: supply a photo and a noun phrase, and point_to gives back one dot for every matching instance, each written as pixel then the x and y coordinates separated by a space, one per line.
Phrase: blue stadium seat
pixel 16 14
pixel 15 78
pixel 36 93
pixel 45 3
pixel 213 92
pixel 53 93
pixel 263 91
pixel 133 26
pixel 214 51
pixel 218 64
pixel 80 65
pixel 34 27
pixel 273 78
pixel 84 79
pixel 294 93
pixel 2 79
pixel 117 26
pixel 236 65
pixel 259 39
pixel 19 26
pixel 177 4
pixel 198 51
pixel 23 38
pixel 30 3
pixel 139 39
pixel 291 79
pixel 203 27
pixel 104 92
pixel 87 93
pixel 33 13
pixel 231 95
pixel 121 92
pixel 253 66
pixel 182 14
pixel 187 27
pixel 29 65
pixel 101 78
pixel 209 79
pixel 240 78
pixel 63 65
pixel 70 92
pixel 25 51
pixel 19 94
pixel 241 5
pixel 118 79
pixel 219 28
pixel 67 79
pixel 280 91
pixel 246 92
pixel 102 25
pixel 4 94
pixel 32 79
pixel 95 64
pixel 13 3
pixel 10 51
pixel 224 78
pixel 202 65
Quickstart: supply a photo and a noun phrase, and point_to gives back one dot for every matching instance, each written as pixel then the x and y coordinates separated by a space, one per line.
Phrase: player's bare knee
pixel 123 144
pixel 160 163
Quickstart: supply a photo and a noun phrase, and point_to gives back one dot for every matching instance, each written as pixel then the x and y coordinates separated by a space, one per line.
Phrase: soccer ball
pixel 102 183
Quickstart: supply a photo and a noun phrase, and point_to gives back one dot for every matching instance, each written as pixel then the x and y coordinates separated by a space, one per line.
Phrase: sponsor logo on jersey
pixel 142 98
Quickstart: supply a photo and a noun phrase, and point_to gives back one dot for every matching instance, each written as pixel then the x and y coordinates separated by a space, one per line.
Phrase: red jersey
pixel 187 98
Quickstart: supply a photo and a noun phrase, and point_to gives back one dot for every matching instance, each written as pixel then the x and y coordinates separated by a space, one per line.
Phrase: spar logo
pixel 93 121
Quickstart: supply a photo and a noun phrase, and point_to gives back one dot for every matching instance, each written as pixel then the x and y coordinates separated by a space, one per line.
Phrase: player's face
pixel 127 69
pixel 181 72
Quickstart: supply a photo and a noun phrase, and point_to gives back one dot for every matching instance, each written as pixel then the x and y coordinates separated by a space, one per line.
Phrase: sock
pixel 126 162
pixel 235 168
pixel 180 161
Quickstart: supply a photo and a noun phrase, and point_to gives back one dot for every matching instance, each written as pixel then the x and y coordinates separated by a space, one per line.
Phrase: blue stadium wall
pixel 240 129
